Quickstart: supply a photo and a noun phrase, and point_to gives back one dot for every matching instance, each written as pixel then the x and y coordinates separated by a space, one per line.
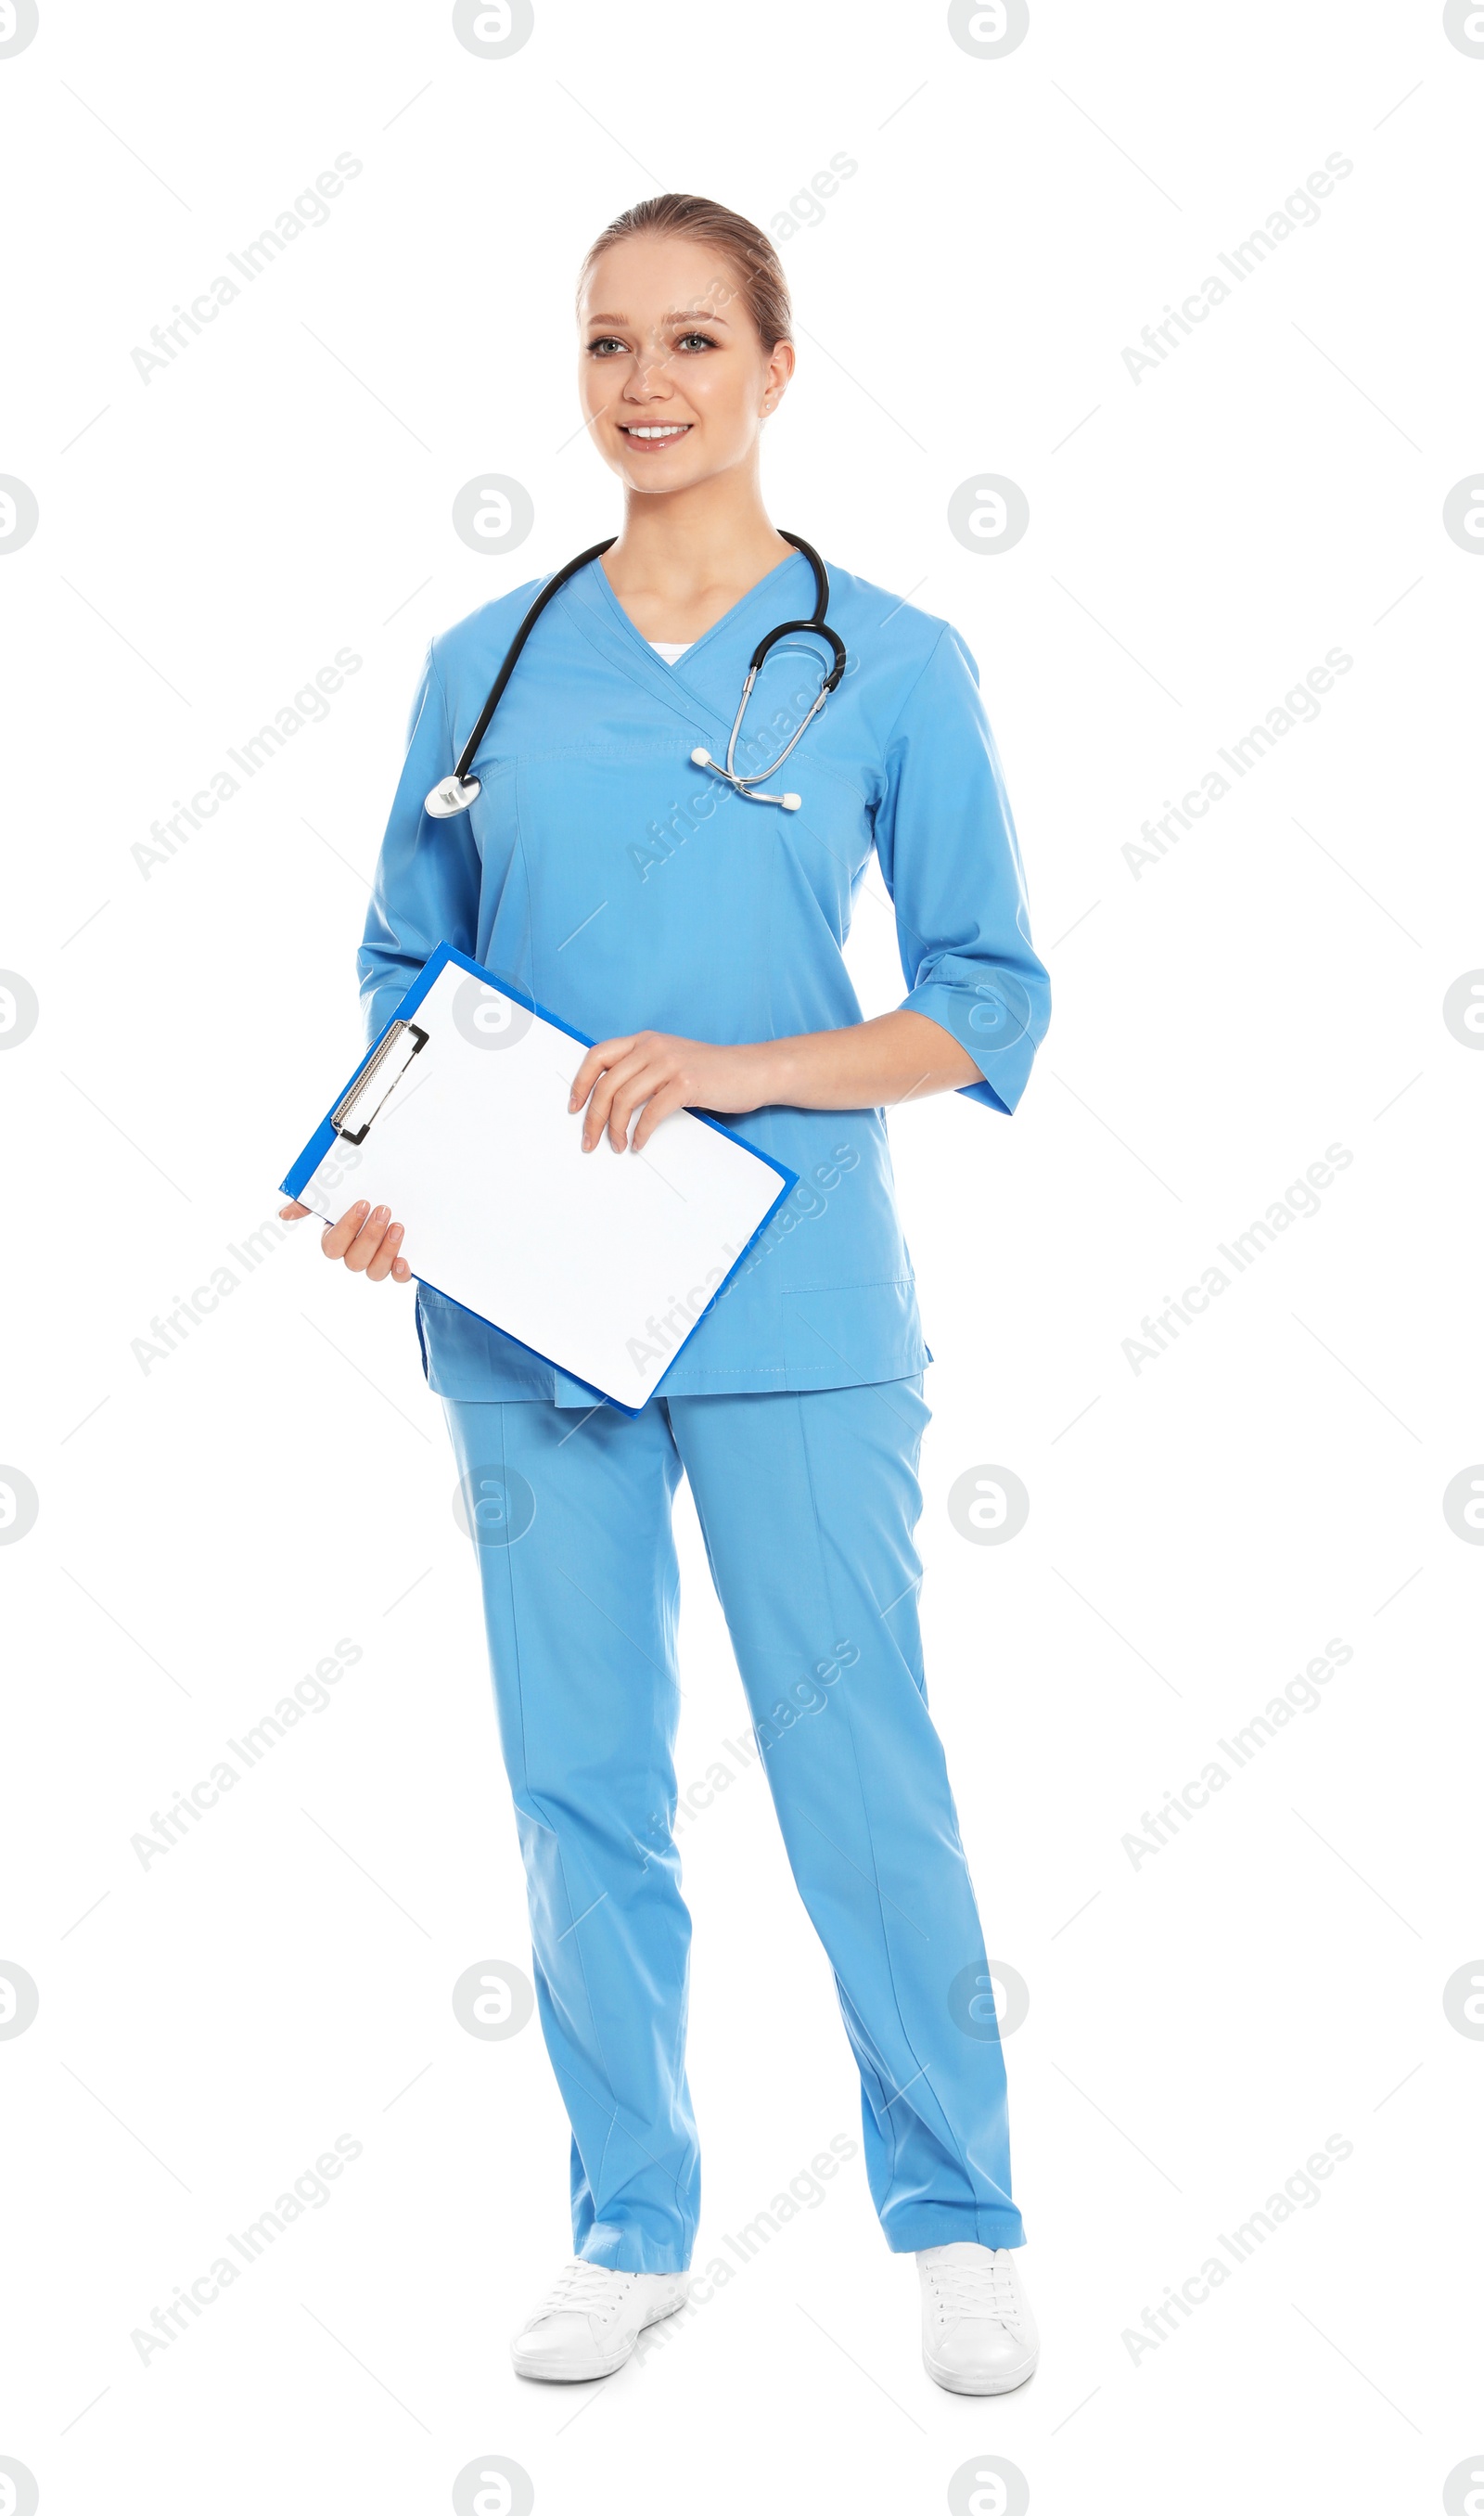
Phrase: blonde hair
pixel 750 254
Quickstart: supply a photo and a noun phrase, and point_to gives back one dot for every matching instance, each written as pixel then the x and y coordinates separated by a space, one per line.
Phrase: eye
pixel 695 341
pixel 603 347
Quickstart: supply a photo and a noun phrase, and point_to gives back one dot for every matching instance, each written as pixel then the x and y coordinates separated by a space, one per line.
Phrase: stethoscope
pixel 456 793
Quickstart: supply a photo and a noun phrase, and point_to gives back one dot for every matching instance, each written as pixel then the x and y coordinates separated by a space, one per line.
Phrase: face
pixel 674 378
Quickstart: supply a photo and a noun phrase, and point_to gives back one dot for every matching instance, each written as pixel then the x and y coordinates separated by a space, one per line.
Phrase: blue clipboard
pixel 403 1091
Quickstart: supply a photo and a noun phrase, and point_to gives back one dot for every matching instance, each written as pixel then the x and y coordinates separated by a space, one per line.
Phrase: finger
pixel 290 1212
pixel 380 1266
pixel 337 1238
pixel 596 1117
pixel 600 1106
pixel 368 1239
pixel 402 1273
pixel 603 1054
pixel 630 1096
pixel 670 1097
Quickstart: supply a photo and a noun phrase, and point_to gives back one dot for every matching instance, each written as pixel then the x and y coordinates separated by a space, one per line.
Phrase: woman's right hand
pixel 365 1237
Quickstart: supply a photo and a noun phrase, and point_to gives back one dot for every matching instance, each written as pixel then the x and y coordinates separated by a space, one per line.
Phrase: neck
pixel 682 559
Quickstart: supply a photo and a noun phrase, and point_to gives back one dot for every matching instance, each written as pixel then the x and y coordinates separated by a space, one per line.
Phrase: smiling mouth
pixel 670 435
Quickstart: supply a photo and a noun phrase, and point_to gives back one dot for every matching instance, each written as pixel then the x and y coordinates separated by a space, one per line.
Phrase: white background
pixel 1199 1529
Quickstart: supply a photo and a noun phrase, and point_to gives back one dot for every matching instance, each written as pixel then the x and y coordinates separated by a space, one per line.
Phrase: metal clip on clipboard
pixel 385 1068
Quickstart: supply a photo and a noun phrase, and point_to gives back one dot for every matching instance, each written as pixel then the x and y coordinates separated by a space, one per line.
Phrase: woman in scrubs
pixel 696 935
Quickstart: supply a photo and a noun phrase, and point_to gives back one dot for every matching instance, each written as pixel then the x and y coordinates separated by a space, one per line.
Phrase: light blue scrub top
pixel 624 889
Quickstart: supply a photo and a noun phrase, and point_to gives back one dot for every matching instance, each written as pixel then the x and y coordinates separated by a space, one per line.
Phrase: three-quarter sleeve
pixel 426 890
pixel 951 863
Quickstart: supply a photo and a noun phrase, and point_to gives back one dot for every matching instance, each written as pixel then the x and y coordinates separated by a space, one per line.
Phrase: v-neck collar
pixel 728 620
pixel 593 608
pixel 599 598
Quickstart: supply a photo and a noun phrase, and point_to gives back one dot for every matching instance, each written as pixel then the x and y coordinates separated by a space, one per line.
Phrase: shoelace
pixel 985 2290
pixel 584 2289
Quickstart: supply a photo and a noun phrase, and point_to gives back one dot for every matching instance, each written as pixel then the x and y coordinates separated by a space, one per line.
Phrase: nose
pixel 648 380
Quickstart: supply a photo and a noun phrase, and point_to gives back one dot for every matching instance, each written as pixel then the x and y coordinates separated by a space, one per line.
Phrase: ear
pixel 776 375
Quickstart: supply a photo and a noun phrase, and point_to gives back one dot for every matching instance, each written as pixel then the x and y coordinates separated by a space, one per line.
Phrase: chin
pixel 662 488
pixel 643 472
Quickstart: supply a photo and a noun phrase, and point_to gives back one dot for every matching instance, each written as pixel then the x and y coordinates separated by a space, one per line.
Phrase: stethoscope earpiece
pixel 703 760
pixel 456 793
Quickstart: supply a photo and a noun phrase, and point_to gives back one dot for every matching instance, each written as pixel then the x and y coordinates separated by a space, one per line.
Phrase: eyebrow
pixel 684 315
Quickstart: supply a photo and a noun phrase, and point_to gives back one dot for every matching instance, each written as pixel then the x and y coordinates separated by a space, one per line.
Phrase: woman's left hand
pixel 654 1074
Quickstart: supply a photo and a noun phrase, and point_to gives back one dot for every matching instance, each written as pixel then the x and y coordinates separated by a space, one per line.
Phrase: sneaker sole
pixel 953 2382
pixel 554 2374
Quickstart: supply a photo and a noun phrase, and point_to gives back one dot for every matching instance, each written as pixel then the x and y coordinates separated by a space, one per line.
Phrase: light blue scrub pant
pixel 808 1502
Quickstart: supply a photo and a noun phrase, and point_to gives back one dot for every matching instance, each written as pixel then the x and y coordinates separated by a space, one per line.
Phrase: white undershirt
pixel 668 652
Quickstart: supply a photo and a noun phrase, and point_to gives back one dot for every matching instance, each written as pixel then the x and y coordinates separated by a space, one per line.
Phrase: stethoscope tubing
pixel 456 793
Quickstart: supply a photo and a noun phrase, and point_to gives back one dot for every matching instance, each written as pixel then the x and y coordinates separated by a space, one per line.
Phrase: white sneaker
pixel 591 2319
pixel 978 2333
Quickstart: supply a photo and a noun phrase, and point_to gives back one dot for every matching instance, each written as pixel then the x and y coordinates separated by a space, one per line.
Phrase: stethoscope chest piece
pixel 452 795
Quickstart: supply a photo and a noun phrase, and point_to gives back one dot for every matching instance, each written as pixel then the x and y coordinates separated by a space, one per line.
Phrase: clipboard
pixel 603 1264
